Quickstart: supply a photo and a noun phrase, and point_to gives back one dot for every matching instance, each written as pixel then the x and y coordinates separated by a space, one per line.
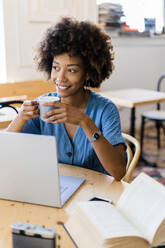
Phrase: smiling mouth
pixel 62 87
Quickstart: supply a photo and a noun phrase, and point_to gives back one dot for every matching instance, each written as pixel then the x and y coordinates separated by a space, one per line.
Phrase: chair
pixel 7 116
pixel 158 116
pixel 133 154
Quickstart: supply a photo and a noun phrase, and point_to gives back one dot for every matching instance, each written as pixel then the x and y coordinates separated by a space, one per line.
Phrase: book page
pixel 106 220
pixel 80 232
pixel 160 235
pixel 143 203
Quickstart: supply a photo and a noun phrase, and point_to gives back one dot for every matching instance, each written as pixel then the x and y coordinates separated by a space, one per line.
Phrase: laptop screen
pixel 29 170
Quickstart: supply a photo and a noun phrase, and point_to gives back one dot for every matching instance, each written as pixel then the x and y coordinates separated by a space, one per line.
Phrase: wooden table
pixel 131 98
pixel 95 184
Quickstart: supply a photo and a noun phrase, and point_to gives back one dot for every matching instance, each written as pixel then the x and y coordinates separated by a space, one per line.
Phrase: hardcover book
pixel 136 221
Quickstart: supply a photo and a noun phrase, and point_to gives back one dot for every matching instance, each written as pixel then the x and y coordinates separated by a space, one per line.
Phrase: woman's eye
pixel 56 68
pixel 72 70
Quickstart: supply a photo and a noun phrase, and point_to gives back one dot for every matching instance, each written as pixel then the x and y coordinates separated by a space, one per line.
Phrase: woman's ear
pixel 87 77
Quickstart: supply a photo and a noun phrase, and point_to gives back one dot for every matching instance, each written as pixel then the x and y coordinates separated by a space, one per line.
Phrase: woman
pixel 75 55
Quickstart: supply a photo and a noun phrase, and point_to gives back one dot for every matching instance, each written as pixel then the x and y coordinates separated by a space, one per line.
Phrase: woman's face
pixel 68 74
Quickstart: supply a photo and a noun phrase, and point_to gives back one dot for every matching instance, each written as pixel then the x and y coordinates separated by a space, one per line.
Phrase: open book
pixel 136 221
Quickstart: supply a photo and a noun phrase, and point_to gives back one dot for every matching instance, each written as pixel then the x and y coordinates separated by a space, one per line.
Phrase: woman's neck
pixel 79 100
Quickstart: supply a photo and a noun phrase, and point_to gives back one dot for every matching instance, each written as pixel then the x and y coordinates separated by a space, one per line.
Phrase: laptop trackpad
pixel 68 185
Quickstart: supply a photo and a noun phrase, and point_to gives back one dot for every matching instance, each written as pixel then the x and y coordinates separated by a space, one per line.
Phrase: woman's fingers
pixel 54 111
pixel 56 104
pixel 30 105
pixel 34 112
pixel 58 118
pixel 29 110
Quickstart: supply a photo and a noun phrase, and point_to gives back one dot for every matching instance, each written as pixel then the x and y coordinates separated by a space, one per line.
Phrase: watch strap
pixel 95 136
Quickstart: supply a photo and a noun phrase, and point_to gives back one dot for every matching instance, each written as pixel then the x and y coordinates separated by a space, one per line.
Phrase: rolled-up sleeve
pixel 111 126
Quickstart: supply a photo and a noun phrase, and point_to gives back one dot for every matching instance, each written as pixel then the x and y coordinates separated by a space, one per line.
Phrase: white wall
pixel 24 22
pixel 139 62
pixel 2 45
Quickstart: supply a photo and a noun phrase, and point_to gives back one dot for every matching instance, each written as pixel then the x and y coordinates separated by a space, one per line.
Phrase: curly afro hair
pixel 78 38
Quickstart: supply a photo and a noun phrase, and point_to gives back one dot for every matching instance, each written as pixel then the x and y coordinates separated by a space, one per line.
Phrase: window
pixel 135 12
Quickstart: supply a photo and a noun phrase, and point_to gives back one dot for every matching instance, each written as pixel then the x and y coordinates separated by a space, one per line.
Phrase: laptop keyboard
pixel 63 188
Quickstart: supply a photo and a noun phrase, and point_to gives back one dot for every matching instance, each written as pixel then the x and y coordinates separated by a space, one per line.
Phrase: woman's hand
pixel 63 113
pixel 29 110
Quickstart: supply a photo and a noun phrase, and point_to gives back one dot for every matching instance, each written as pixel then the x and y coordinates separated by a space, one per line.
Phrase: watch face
pixel 96 135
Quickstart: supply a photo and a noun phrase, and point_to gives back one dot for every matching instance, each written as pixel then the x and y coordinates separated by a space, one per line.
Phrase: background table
pixel 95 184
pixel 131 98
pixel 12 98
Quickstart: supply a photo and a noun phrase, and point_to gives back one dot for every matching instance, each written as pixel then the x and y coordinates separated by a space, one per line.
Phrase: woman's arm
pixel 29 110
pixel 111 157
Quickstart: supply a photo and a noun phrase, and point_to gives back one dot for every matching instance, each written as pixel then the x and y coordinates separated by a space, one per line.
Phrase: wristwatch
pixel 95 136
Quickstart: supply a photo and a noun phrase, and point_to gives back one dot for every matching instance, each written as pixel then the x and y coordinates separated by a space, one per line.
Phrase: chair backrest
pixel 133 154
pixel 7 116
pixel 159 87
pixel 10 104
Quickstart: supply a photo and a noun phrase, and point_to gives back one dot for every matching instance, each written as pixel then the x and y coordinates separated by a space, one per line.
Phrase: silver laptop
pixel 29 170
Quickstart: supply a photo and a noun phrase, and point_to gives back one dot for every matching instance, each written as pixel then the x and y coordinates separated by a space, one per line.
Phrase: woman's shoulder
pixel 102 104
pixel 100 100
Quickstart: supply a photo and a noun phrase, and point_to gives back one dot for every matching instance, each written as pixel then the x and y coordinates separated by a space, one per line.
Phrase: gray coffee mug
pixel 45 99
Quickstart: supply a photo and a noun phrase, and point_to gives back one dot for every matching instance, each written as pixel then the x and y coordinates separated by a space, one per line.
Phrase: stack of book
pixel 110 14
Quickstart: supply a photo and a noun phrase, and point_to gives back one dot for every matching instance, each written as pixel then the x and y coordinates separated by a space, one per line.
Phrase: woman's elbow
pixel 120 173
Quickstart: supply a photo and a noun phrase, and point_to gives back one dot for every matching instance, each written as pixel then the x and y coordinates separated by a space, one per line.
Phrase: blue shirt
pixel 79 151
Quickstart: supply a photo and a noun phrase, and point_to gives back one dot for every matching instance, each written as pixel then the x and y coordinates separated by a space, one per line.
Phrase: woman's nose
pixel 61 77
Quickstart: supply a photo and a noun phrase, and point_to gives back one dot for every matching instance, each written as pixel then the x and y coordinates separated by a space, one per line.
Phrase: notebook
pixel 29 170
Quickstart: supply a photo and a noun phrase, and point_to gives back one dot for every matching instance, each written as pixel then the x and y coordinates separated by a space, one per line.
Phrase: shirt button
pixel 69 154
